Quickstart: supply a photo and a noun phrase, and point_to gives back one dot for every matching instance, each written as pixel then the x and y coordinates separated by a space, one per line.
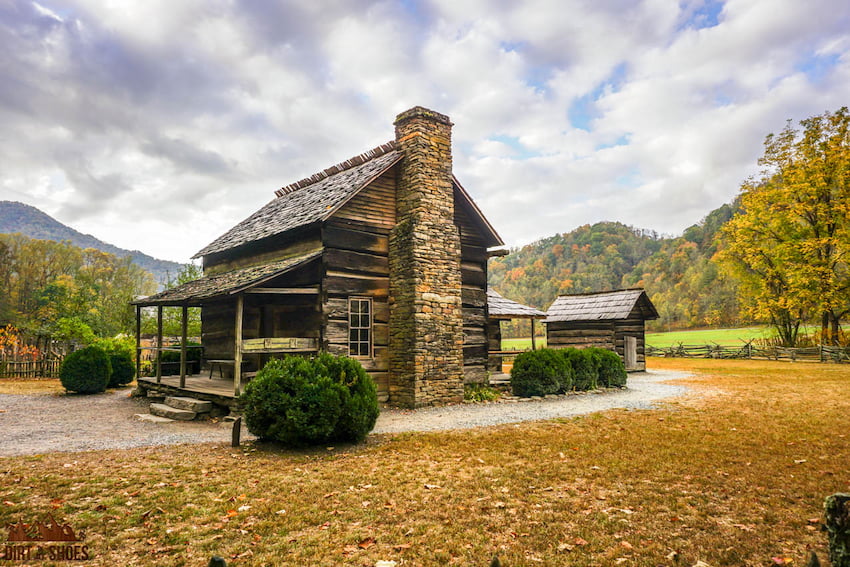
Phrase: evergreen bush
pixel 299 401
pixel 171 359
pixel 584 363
pixel 86 371
pixel 540 372
pixel 612 370
pixel 120 352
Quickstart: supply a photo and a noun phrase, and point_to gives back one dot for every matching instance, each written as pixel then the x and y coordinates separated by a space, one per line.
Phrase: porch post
pixel 138 341
pixel 183 348
pixel 533 340
pixel 159 344
pixel 237 367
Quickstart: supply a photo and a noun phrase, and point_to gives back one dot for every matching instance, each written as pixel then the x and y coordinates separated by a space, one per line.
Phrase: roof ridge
pixel 338 168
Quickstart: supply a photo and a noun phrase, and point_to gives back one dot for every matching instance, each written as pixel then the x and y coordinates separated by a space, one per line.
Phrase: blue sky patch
pixel 583 109
pixel 818 67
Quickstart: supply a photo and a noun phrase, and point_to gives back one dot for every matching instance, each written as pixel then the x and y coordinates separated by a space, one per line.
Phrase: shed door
pixel 630 353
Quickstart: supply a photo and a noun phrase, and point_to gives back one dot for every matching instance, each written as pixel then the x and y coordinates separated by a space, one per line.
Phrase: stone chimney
pixel 426 324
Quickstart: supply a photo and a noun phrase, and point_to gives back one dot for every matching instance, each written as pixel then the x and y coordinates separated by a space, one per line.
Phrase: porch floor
pixel 197 383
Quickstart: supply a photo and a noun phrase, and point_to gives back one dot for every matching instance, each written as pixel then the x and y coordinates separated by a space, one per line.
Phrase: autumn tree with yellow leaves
pixel 790 241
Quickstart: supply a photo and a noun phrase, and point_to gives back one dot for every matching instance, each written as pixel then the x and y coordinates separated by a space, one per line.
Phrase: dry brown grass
pixel 31 386
pixel 734 479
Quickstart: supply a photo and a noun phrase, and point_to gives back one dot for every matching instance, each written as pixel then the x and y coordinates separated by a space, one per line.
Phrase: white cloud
pixel 158 125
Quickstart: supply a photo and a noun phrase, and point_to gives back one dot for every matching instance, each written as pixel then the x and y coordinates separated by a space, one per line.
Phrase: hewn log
pixel 345 238
pixel 340 284
pixel 473 316
pixel 350 261
pixel 473 296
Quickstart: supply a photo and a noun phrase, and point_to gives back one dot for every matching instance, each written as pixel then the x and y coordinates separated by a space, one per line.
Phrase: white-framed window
pixel 360 327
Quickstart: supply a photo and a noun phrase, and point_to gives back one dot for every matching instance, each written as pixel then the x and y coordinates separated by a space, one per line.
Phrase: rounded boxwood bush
pixel 612 370
pixel 123 369
pixel 540 372
pixel 584 364
pixel 299 401
pixel 120 353
pixel 85 371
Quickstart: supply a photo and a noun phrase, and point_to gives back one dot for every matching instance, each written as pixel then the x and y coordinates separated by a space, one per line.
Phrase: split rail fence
pixel 820 353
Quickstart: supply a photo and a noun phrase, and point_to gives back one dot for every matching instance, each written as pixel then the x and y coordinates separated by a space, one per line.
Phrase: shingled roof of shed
pixel 600 306
pixel 227 283
pixel 500 307
pixel 310 200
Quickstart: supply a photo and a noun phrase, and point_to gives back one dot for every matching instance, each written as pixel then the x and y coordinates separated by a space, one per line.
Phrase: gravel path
pixel 644 388
pixel 34 424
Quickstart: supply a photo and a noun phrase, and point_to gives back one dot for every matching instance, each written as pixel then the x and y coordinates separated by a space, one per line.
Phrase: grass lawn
pixel 522 344
pixel 726 337
pixel 736 477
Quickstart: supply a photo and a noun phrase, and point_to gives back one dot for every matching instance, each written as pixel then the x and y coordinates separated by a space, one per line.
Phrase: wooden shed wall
pixel 602 334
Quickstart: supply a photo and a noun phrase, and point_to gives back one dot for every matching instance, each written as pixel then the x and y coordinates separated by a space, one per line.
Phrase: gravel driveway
pixel 34 424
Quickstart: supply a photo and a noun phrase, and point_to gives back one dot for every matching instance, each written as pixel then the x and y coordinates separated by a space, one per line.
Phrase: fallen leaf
pixel 366 543
pixel 626 545
pixel 402 546
pixel 580 541
pixel 431 487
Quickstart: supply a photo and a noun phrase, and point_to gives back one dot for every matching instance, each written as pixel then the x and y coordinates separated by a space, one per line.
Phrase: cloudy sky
pixel 157 125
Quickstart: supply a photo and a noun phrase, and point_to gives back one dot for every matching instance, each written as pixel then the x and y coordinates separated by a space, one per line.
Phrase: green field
pixel 726 337
pixel 522 344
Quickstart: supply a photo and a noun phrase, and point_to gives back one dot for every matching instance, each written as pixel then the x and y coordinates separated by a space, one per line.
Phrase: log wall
pixel 355 264
pixel 473 270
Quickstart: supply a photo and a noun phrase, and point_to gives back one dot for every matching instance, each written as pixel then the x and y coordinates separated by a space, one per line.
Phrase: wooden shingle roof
pixel 601 306
pixel 499 307
pixel 227 283
pixel 310 200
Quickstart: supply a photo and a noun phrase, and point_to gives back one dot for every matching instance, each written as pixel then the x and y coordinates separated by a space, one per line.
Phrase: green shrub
pixel 120 352
pixel 479 393
pixel 540 372
pixel 300 401
pixel 612 371
pixel 171 359
pixel 584 364
pixel 85 371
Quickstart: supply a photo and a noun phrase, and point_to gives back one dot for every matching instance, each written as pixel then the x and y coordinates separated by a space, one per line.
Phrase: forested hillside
pixel 687 288
pixel 58 290
pixel 23 219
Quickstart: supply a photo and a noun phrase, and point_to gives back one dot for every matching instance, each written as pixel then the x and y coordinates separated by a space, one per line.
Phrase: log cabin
pixel 610 319
pixel 382 257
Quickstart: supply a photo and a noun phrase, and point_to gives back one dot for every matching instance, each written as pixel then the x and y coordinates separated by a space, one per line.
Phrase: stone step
pixel 191 404
pixel 163 410
pixel 152 418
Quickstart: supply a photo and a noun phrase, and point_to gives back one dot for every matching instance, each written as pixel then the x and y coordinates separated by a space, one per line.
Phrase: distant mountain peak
pixel 16 217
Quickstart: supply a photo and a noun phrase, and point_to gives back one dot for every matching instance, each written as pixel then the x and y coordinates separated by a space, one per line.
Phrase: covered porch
pixel 247 315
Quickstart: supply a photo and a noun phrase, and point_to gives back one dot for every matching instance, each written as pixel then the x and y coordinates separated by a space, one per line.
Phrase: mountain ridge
pixel 17 217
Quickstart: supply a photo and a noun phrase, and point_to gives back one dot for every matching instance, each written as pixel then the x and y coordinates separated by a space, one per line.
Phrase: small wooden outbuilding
pixel 500 309
pixel 608 319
